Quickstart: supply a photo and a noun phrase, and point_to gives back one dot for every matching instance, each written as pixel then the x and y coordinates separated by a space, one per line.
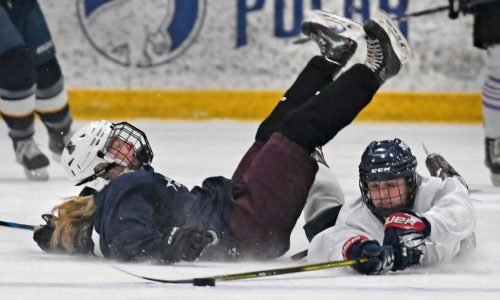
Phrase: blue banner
pixel 294 9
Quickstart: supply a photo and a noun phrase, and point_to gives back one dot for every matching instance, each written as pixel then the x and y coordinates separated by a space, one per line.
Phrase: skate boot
pixel 334 36
pixel 387 48
pixel 57 141
pixel 439 167
pixel 35 163
pixel 492 148
pixel 339 25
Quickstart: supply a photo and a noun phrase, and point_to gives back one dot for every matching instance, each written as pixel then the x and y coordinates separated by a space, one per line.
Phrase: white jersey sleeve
pixel 445 204
pixel 448 208
pixel 324 194
pixel 354 219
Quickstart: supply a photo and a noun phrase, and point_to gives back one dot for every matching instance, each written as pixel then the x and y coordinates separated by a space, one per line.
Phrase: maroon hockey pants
pixel 271 185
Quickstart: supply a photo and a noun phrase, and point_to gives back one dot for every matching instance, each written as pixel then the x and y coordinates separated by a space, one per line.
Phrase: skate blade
pixel 37 174
pixel 398 40
pixel 495 179
pixel 340 25
pixel 56 157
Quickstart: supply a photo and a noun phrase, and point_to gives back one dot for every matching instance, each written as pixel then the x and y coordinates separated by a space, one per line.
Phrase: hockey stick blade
pixel 179 281
pixel 17 225
pixel 210 281
pixel 298 256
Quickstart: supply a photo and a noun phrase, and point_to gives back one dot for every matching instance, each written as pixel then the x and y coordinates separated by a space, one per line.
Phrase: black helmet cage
pixel 387 160
pixel 134 136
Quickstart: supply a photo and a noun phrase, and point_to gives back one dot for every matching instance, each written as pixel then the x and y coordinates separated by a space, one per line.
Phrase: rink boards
pixel 440 107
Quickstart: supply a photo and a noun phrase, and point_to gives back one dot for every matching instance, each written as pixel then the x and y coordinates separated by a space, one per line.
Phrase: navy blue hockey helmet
pixel 387 160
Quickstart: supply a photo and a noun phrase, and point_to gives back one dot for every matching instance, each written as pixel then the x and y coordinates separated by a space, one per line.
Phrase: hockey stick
pixel 17 225
pixel 210 281
pixel 422 13
pixel 299 255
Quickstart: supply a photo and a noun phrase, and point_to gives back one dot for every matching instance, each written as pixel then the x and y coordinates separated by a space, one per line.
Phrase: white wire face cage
pixel 125 146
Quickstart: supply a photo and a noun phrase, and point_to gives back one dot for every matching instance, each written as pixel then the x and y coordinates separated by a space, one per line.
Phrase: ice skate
pixel 387 48
pixel 57 141
pixel 334 35
pixel 492 161
pixel 35 163
pixel 337 24
pixel 439 167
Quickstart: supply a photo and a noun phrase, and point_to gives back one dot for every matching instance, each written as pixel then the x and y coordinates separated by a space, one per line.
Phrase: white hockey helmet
pixel 90 147
pixel 81 154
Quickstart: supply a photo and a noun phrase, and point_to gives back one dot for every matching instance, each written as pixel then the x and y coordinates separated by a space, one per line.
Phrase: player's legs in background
pixel 17 98
pixel 51 96
pixel 491 113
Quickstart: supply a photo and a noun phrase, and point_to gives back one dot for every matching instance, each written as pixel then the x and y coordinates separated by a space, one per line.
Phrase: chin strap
pixel 101 173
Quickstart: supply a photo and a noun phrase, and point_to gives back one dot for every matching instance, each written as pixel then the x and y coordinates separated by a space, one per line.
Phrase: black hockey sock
pixel 320 119
pixel 317 73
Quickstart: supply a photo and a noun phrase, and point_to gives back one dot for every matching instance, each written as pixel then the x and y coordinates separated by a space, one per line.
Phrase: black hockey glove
pixel 43 234
pixel 381 257
pixel 185 244
pixel 406 232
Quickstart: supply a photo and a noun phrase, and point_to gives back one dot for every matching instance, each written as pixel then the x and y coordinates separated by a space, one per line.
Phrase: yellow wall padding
pixel 256 105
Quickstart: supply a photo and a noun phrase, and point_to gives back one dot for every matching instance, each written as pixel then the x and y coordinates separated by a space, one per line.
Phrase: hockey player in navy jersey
pixel 31 82
pixel 141 214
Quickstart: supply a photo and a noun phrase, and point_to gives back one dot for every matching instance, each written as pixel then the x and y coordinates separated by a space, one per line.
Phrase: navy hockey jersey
pixel 135 210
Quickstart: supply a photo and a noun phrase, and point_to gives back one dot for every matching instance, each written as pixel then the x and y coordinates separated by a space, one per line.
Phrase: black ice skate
pixel 57 141
pixel 35 163
pixel 492 161
pixel 387 48
pixel 335 48
pixel 439 167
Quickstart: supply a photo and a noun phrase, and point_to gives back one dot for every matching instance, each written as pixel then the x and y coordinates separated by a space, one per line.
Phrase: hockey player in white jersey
pixel 401 219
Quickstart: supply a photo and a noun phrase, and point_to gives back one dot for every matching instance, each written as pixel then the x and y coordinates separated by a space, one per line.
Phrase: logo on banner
pixel 138 33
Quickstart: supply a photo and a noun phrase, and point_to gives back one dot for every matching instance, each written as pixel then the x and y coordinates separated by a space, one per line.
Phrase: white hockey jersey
pixel 445 204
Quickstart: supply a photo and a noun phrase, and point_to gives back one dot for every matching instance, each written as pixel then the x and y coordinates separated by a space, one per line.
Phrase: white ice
pixel 191 151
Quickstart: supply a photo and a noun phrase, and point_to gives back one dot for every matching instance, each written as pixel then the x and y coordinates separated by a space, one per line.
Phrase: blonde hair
pixel 73 221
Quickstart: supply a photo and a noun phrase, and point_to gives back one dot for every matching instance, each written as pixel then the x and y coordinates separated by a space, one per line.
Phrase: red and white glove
pixel 406 232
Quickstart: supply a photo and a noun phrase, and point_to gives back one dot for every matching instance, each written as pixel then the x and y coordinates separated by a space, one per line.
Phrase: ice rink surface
pixel 190 151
